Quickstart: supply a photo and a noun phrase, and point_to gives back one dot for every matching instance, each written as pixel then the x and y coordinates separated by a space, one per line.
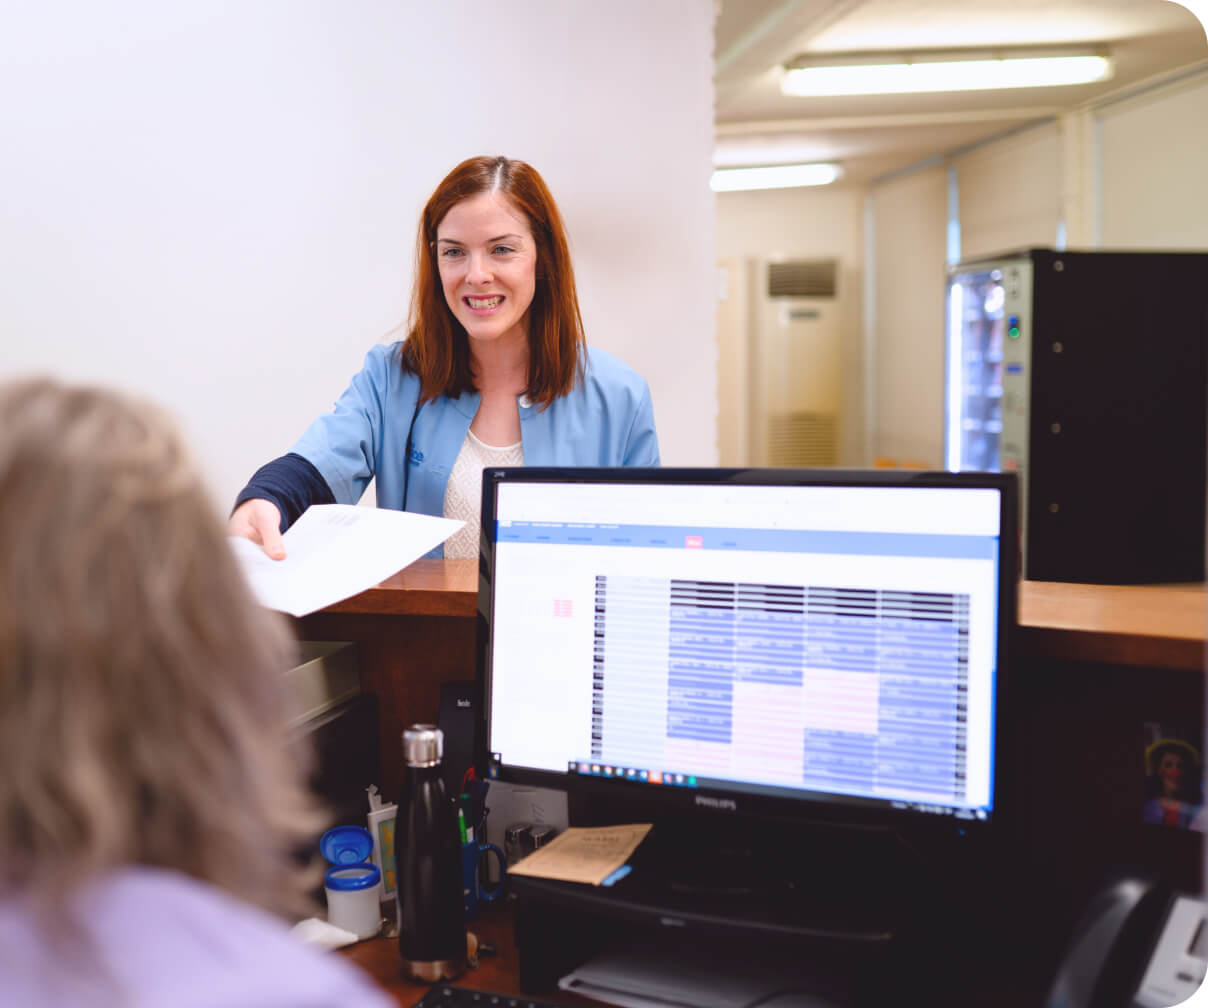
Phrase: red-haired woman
pixel 494 371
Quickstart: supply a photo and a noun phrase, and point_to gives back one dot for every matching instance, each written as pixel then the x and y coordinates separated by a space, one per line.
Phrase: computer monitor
pixel 819 645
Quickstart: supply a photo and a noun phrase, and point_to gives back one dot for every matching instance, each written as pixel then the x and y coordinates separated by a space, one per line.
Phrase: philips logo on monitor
pixel 722 804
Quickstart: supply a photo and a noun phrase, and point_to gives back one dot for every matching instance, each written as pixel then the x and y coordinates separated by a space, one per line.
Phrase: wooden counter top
pixel 379 957
pixel 1162 626
pixel 424 588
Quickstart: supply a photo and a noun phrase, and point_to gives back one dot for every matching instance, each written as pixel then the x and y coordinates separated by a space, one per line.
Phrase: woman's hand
pixel 260 521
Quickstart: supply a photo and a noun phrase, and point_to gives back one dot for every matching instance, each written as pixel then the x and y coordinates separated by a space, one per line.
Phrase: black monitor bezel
pixel 814 807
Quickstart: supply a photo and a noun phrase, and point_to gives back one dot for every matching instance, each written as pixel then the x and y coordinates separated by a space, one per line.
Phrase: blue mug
pixel 474 876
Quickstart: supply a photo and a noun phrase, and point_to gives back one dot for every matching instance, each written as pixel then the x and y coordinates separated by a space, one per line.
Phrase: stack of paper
pixel 335 551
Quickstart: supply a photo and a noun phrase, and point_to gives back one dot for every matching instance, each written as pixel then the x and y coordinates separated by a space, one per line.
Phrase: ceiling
pixel 875 136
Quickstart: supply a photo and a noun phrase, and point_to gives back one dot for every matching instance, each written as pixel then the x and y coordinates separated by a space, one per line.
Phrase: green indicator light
pixel 1013 332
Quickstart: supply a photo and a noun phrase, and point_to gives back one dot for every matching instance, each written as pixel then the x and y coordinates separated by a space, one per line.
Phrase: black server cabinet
pixel 1118 417
pixel 1098 372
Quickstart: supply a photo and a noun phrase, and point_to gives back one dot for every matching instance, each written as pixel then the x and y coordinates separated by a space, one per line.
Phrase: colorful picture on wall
pixel 1174 781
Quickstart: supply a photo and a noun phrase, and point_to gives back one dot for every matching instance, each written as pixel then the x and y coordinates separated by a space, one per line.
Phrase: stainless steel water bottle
pixel 432 926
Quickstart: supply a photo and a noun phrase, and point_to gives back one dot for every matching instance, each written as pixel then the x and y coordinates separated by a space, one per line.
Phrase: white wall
pixel 809 224
pixel 909 233
pixel 1010 193
pixel 1155 153
pixel 215 204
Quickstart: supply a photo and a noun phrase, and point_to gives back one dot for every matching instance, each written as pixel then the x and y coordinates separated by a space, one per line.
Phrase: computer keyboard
pixel 444 996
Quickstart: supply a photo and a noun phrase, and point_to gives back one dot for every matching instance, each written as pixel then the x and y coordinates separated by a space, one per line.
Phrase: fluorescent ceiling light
pixel 894 73
pixel 742 152
pixel 774 177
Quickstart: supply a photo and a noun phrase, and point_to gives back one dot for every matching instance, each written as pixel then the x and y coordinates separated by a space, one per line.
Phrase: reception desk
pixel 417 630
pixel 1091 670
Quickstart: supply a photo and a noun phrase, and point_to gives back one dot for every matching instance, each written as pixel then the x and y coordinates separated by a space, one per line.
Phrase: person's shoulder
pixel 606 367
pixel 385 355
pixel 383 369
pixel 238 948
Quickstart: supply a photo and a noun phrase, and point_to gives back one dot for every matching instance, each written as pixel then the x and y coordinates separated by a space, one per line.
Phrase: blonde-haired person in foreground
pixel 150 797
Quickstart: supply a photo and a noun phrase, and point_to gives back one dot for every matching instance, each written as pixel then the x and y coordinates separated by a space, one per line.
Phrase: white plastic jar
pixel 353 883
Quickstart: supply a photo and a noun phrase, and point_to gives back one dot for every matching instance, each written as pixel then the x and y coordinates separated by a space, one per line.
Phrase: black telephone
pixel 1138 944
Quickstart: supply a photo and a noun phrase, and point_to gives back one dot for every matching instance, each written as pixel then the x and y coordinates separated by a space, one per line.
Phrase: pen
pixel 461 825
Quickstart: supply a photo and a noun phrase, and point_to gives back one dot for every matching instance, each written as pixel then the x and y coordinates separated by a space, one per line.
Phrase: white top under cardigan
pixel 463 495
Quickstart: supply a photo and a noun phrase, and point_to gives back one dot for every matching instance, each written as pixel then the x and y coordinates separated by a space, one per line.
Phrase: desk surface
pixel 1161 626
pixel 500 972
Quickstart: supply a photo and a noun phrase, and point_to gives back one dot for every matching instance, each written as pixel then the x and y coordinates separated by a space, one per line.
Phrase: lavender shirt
pixel 159 938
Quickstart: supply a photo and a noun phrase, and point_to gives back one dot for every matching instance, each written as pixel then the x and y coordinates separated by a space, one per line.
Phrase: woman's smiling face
pixel 488 267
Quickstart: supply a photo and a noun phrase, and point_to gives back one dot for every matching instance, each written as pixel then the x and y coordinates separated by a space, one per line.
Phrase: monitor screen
pixel 809 641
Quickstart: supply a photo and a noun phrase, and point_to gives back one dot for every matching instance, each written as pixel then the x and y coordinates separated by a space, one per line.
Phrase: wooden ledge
pixel 425 588
pixel 1158 626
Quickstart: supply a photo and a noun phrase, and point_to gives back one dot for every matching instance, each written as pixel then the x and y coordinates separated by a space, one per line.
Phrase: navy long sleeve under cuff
pixel 290 482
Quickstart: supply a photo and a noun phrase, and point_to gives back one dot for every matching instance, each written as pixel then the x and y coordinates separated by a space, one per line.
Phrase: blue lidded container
pixel 353 883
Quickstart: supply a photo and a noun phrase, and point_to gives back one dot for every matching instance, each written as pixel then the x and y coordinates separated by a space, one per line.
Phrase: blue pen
pixel 617 875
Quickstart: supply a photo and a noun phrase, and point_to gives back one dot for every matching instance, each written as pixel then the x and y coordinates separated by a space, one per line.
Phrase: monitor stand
pixel 848 884
pixel 732 876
